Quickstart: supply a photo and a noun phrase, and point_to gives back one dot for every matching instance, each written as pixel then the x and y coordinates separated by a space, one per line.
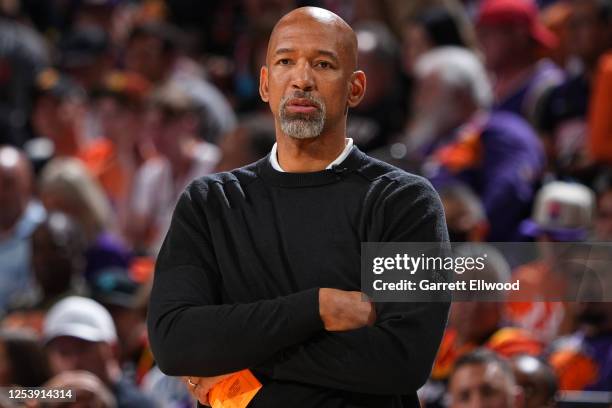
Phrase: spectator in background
pixel 119 105
pixel 66 186
pixel 153 51
pixel 563 212
pixel 477 321
pixel 563 122
pixel 123 297
pixel 23 361
pixel 583 360
pixel 85 56
pixel 434 27
pixel 252 140
pixel 510 34
pixel 495 153
pixel 380 115
pixel 80 335
pixel 23 53
pixel 88 390
pixel 58 262
pixel 537 380
pixel 59 109
pixel 20 214
pixel 184 157
pixel 482 379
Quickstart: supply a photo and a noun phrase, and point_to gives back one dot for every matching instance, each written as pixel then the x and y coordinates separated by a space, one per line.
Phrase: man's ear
pixel 357 88
pixel 263 83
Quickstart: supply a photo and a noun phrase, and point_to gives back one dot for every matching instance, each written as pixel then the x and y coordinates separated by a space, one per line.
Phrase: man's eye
pixel 283 61
pixel 324 64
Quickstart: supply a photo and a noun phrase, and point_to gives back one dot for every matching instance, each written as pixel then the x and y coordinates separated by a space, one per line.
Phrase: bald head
pixel 316 18
pixel 15 186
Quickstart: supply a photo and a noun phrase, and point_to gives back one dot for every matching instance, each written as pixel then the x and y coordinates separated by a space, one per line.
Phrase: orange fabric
pixel 101 159
pixel 235 391
pixel 507 342
pixel 462 154
pixel 544 317
pixel 574 370
pixel 600 112
pixel 511 341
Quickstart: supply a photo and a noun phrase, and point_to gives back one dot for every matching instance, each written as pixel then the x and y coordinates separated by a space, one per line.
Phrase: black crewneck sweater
pixel 236 283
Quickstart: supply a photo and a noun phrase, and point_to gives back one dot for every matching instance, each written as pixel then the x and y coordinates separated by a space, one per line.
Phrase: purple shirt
pixel 501 159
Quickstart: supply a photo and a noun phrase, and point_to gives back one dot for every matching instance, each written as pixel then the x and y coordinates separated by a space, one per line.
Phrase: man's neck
pixel 510 78
pixel 308 155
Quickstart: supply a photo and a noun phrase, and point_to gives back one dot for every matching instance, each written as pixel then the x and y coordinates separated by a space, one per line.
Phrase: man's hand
pixel 202 386
pixel 342 310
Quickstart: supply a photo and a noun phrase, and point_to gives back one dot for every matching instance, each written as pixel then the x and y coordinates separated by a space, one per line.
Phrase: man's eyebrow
pixel 330 54
pixel 327 53
pixel 283 51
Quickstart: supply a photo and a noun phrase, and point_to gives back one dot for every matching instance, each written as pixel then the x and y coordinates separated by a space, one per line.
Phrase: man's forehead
pixel 316 27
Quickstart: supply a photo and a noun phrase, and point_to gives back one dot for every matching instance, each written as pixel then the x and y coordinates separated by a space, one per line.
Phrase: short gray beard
pixel 299 126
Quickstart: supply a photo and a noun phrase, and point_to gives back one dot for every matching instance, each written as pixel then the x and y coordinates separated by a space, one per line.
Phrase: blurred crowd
pixel 109 108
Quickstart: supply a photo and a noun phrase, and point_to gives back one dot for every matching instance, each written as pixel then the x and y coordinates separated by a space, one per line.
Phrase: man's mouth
pixel 301 105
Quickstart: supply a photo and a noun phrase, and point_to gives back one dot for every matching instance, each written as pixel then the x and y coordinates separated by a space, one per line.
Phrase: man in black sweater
pixel 261 266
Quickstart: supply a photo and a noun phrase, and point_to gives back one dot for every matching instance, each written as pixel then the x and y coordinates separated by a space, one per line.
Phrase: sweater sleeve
pixel 190 331
pixel 395 355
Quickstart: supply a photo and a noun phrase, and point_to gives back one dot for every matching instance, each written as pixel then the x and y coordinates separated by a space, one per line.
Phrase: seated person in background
pixel 496 154
pixel 563 212
pixel 20 214
pixel 67 186
pixel 565 110
pixel 482 379
pixel 474 324
pixel 381 114
pixel 511 35
pixel 537 379
pixel 183 156
pixel 583 360
pixel 58 262
pixel 59 111
pixel 115 156
pixel 79 334
pixel 125 299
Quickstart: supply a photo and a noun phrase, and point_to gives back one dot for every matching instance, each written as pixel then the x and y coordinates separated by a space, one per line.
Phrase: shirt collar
pixel 338 160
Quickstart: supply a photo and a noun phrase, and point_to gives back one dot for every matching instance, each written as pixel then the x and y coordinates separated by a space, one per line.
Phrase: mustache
pixel 301 95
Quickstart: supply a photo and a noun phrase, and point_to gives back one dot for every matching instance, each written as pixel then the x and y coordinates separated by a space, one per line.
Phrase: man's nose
pixel 303 78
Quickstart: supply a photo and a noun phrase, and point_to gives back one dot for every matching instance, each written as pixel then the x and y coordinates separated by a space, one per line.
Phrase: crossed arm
pixel 324 337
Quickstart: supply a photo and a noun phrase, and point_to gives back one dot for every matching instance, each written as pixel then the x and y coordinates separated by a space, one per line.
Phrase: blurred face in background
pixel 120 122
pixel 481 386
pixel 437 108
pixel 59 119
pixel 502 45
pixel 146 56
pixel 70 353
pixel 171 131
